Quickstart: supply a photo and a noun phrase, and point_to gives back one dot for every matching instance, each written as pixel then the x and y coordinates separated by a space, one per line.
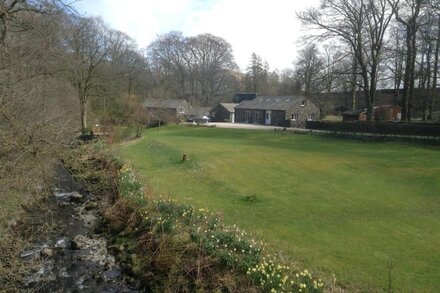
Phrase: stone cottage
pixel 223 112
pixel 287 111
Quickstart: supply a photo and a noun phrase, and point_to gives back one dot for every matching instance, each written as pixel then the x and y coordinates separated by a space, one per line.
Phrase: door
pixel 247 117
pixel 255 117
pixel 268 118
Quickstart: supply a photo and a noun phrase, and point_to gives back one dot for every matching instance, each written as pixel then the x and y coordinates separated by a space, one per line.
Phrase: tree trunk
pixel 396 90
pixel 435 69
pixel 369 105
pixel 406 78
pixel 83 109
pixel 369 96
pixel 373 84
pixel 354 84
pixel 427 82
pixel 411 26
pixel 412 75
pixel 398 73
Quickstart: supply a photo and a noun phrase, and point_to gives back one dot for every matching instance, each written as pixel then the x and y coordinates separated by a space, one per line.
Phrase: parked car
pixel 199 119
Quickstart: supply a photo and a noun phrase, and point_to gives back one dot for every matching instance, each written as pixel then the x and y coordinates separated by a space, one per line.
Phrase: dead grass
pixel 12 242
pixel 23 219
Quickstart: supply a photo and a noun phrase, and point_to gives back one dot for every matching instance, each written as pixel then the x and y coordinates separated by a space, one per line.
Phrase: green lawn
pixel 335 206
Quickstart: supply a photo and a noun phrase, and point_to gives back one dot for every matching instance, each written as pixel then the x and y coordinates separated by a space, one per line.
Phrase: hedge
pixel 379 128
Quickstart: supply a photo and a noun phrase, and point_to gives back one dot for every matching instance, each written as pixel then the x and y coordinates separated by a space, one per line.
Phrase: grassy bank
pixel 167 246
pixel 343 207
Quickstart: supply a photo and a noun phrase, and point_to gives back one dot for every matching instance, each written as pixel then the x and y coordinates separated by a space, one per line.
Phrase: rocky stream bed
pixel 76 256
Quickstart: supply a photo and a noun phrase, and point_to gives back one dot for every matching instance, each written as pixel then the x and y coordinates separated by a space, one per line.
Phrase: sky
pixel 268 28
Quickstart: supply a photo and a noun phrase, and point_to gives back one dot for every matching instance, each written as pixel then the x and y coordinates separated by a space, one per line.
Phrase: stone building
pixel 287 111
pixel 223 112
pixel 168 108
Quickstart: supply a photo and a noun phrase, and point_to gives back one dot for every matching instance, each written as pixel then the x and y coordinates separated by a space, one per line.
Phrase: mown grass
pixel 338 206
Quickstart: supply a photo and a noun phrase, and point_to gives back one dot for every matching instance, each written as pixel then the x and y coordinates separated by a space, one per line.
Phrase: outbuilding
pixel 223 112
pixel 287 111
pixel 167 109
pixel 354 115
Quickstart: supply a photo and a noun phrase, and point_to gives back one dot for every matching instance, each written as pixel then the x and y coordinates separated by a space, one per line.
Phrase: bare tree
pixel 396 51
pixel 36 118
pixel 362 25
pixel 9 9
pixel 169 55
pixel 408 14
pixel 214 62
pixel 198 68
pixel 87 40
pixel 288 83
pixel 435 68
pixel 309 68
pixel 127 61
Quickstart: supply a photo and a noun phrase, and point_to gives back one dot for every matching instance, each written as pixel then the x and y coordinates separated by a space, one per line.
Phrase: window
pixel 294 117
pixel 303 103
pixel 181 110
pixel 311 117
pixel 267 115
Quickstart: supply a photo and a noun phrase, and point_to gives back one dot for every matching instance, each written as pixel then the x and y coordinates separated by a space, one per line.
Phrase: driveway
pixel 245 126
pixel 261 127
pixel 253 126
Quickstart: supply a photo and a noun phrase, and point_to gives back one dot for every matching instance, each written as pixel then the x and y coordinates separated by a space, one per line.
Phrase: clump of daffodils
pixel 275 277
pixel 129 185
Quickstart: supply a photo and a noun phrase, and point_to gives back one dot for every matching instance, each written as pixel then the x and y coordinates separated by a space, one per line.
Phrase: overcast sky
pixel 266 27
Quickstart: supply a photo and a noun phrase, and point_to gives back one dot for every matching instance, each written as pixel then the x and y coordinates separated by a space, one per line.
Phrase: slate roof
pixel 230 107
pixel 239 97
pixel 169 103
pixel 200 111
pixel 354 112
pixel 271 103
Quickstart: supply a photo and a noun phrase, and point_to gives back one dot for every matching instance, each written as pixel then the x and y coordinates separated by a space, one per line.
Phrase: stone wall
pixel 301 113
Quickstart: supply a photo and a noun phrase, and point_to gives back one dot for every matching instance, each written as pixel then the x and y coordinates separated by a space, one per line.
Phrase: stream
pixel 76 257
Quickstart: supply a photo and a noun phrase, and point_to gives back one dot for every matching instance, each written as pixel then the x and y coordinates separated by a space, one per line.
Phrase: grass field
pixel 335 206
